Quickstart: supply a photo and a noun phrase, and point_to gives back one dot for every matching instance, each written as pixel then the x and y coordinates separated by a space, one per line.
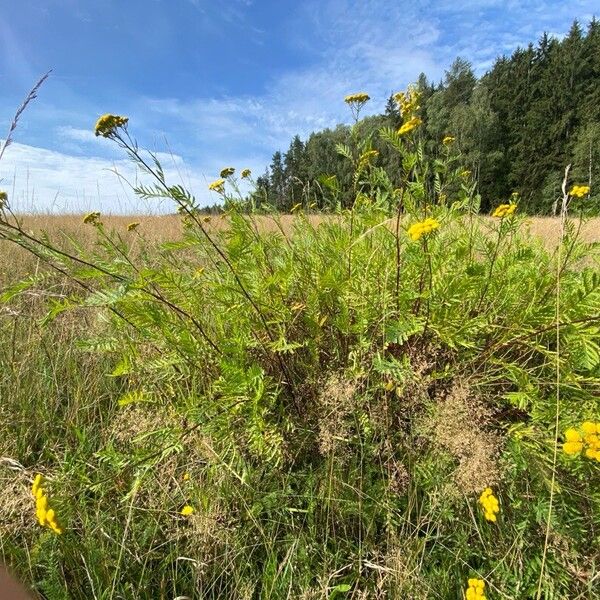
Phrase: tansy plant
pixel 579 191
pixel 475 589
pixel 342 389
pixel 46 515
pixel 586 438
pixel 490 504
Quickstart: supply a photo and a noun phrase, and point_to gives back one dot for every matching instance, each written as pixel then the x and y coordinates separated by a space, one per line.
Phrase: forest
pixel 515 129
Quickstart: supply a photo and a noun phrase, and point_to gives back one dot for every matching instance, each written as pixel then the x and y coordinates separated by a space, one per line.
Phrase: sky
pixel 211 84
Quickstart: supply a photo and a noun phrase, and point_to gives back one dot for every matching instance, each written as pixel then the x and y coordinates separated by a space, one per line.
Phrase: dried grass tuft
pixel 460 427
pixel 335 404
pixel 18 510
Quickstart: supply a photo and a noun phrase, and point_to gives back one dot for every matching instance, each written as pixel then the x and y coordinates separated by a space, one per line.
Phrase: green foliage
pixel 338 395
pixel 516 129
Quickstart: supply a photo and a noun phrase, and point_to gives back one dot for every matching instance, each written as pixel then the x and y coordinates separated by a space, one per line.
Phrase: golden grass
pixel 155 229
pixel 167 227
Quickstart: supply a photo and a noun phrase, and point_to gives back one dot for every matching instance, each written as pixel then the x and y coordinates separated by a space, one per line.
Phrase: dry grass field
pixel 161 228
pixel 168 227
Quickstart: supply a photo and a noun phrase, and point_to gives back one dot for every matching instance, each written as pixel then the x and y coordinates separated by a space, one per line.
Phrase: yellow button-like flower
pixel 45 515
pixel 132 226
pixel 572 435
pixel 187 510
pixel 490 504
pixel 417 230
pixel 579 191
pixel 504 210
pixel 107 124
pixel 227 172
pixel 217 186
pixel 408 102
pixel 589 428
pixel 358 98
pixel 37 482
pixel 410 125
pixel 475 589
pixel 572 448
pixel 54 526
pixel 91 218
pixel 448 140
pixel 246 173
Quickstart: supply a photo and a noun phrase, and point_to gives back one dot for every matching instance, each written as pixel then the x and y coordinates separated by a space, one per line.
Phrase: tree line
pixel 515 129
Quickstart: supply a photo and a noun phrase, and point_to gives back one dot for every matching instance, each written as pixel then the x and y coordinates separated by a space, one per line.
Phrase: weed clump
pixel 352 400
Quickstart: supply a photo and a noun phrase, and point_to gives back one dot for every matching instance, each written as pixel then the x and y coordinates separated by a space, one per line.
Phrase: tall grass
pixel 331 398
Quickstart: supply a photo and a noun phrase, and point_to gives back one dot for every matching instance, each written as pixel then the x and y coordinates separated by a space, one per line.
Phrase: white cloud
pixel 40 180
pixel 77 135
pixel 359 52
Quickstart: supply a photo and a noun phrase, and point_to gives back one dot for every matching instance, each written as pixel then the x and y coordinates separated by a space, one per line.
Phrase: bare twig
pixel 30 97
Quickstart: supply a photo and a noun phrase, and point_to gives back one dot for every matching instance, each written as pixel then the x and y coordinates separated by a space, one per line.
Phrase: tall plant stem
pixel 563 220
pixel 398 247
pixel 491 272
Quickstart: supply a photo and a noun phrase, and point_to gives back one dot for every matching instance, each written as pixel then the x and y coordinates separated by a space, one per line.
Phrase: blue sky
pixel 213 84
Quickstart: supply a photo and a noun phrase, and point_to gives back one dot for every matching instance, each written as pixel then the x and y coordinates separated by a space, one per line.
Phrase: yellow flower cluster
pixel 408 102
pixel 106 124
pixel 132 226
pixel 475 589
pixel 579 191
pixel 416 230
pixel 227 172
pixel 448 140
pixel 490 505
pixel 246 173
pixel 359 98
pixel 45 515
pixel 410 125
pixel 589 437
pixel 217 186
pixel 187 510
pixel 91 218
pixel 466 173
pixel 409 105
pixel 504 210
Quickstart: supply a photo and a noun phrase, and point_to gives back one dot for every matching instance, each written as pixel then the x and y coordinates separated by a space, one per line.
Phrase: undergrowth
pixel 329 403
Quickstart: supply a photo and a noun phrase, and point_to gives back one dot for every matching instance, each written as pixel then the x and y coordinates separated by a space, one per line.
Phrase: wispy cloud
pixel 41 180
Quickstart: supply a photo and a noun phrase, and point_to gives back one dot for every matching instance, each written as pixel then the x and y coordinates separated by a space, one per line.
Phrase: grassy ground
pixel 352 468
pixel 365 406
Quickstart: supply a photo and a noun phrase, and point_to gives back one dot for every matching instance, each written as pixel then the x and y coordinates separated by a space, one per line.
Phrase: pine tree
pixel 277 182
pixel 392 112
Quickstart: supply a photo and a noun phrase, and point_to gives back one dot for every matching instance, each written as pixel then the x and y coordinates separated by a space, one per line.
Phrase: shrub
pixel 318 412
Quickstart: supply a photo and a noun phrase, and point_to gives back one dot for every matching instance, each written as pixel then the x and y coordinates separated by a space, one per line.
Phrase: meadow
pixel 395 400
